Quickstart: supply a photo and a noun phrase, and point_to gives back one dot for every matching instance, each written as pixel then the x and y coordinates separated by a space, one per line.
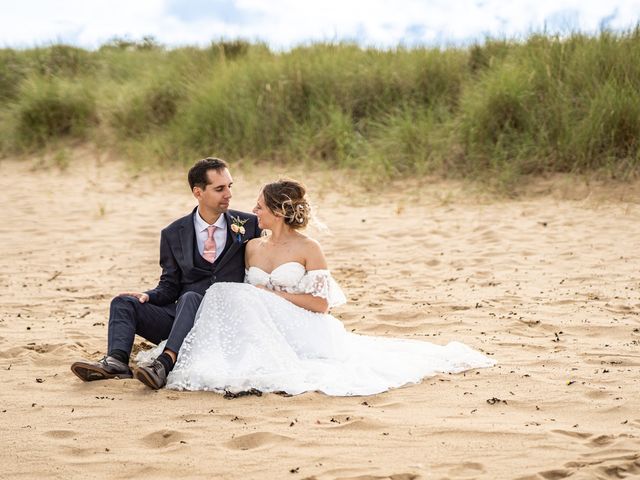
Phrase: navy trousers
pixel 129 317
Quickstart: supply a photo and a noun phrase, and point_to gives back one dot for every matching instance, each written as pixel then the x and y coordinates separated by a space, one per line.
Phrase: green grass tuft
pixel 497 110
pixel 47 110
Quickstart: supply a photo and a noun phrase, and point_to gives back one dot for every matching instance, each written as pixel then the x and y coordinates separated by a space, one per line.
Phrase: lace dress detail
pixel 246 337
pixel 320 283
pixel 291 277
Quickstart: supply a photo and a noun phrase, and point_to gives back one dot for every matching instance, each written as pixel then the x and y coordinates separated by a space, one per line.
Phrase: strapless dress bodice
pixel 284 277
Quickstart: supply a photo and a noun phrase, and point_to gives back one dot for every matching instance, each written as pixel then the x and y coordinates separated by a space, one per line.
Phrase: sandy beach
pixel 548 285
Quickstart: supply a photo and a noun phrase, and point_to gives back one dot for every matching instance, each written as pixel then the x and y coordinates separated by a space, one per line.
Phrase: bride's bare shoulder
pixel 307 243
pixel 254 241
pixel 312 243
pixel 252 246
pixel 314 257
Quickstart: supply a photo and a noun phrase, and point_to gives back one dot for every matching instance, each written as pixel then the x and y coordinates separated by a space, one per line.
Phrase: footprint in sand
pixel 256 440
pixel 162 438
pixel 602 440
pixel 467 470
pixel 76 334
pixel 627 466
pixel 393 476
pixel 556 474
pixel 616 466
pixel 12 352
pixel 581 435
pixel 46 347
pixel 60 434
pixel 362 424
pixel 78 452
pixel 596 394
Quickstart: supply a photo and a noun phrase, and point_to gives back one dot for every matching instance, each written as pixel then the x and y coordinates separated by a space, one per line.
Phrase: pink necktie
pixel 209 253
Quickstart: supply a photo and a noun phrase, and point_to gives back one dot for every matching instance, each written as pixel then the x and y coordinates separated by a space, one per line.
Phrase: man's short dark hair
pixel 198 173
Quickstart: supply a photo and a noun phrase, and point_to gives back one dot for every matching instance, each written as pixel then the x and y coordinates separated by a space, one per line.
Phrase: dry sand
pixel 548 287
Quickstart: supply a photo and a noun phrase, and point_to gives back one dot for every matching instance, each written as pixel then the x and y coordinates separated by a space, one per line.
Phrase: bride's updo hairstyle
pixel 286 198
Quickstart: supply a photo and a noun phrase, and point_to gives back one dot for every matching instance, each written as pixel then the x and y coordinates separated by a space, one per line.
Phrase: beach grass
pixel 498 110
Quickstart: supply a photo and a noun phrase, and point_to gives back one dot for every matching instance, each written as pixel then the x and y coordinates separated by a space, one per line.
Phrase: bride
pixel 273 333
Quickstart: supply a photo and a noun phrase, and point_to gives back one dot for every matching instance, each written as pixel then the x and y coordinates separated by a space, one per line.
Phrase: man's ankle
pixel 166 361
pixel 120 355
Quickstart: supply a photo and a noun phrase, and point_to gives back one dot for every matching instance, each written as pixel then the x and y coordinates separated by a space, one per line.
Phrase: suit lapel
pixel 232 245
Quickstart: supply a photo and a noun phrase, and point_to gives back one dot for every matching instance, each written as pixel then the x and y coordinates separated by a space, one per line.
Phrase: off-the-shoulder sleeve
pixel 320 283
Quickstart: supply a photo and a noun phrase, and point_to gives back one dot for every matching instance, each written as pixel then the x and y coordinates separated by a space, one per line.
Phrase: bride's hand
pixel 142 297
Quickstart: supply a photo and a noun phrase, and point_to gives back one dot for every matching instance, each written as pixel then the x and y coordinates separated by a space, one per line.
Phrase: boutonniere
pixel 237 227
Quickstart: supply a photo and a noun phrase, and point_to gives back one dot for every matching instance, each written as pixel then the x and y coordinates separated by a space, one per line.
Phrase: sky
pixel 283 24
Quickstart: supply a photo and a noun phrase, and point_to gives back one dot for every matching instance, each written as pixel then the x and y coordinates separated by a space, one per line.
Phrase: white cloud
pixel 283 23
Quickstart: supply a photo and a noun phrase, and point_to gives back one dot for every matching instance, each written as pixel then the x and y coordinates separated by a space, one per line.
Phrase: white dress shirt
pixel 219 235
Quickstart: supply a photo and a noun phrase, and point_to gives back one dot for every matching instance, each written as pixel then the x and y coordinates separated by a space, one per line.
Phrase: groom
pixel 197 250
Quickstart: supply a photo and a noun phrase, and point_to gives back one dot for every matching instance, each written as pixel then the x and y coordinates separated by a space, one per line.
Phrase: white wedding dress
pixel 248 338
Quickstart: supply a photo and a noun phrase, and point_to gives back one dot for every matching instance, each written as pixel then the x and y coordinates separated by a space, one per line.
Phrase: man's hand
pixel 142 297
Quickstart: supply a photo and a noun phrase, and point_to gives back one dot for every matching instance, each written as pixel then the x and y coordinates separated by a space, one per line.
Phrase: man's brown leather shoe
pixel 153 376
pixel 108 367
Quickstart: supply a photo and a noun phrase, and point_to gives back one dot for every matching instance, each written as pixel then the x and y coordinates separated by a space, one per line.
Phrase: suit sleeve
pixel 168 287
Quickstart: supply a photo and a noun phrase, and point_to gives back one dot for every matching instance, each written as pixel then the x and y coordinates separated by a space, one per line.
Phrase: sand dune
pixel 548 286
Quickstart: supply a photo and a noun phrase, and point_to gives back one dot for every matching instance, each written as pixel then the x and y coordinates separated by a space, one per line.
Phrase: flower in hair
pixel 299 213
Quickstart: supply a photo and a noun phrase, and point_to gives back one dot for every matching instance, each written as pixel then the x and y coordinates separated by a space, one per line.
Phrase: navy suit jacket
pixel 177 250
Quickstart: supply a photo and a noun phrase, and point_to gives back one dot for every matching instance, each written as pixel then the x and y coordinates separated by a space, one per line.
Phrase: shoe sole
pixel 89 373
pixel 141 375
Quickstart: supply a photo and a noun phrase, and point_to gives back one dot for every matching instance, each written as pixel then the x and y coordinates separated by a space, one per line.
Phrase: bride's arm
pixel 305 300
